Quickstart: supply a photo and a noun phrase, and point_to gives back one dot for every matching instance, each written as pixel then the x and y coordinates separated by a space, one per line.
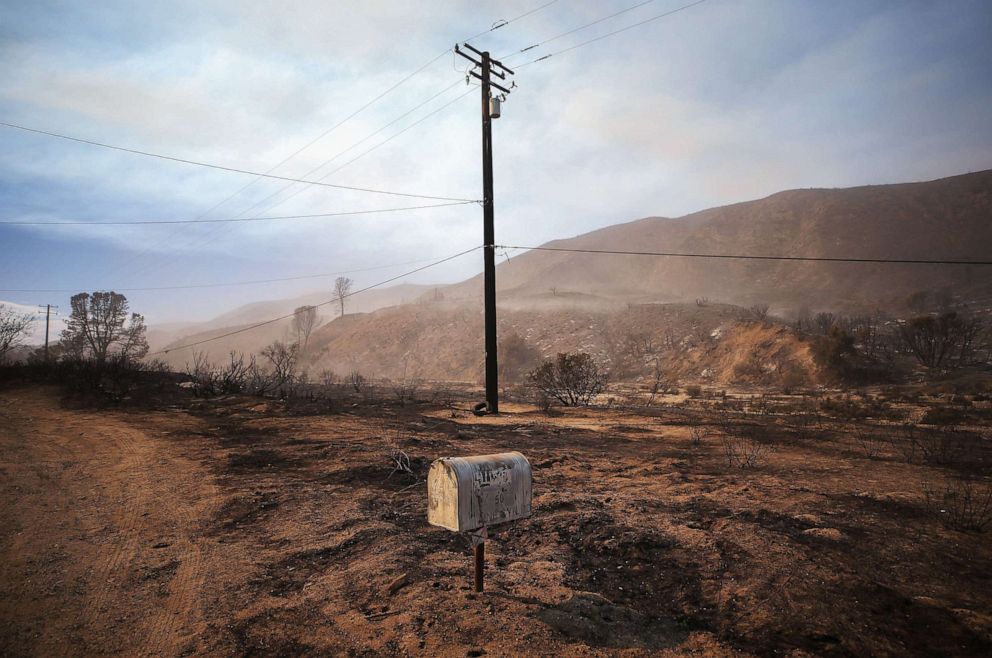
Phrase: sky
pixel 725 101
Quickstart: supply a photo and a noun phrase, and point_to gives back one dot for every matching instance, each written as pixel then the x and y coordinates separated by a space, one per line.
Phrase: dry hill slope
pixel 942 219
pixel 562 292
pixel 249 314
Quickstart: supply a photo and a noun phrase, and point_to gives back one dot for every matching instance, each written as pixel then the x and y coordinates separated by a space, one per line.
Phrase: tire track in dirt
pixel 123 542
pixel 134 488
pixel 180 606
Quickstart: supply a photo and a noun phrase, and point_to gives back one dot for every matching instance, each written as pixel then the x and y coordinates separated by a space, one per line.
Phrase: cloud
pixel 723 102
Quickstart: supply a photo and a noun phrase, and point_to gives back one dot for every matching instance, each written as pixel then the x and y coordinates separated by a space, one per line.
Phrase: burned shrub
pixel 697 431
pixel 742 448
pixel 940 447
pixel 964 505
pixel 356 380
pixel 572 379
pixel 202 375
pixel 906 442
pixel 405 390
pixel 870 439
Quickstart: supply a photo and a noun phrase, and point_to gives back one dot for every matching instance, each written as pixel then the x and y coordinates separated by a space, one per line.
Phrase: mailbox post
pixel 470 494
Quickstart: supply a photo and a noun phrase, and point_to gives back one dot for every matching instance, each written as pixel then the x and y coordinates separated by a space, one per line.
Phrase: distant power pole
pixel 48 313
pixel 488 67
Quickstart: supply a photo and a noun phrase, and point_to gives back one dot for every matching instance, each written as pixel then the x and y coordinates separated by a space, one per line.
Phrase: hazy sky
pixel 726 101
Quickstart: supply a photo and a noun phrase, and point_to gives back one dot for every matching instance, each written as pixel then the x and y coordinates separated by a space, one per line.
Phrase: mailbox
pixel 468 493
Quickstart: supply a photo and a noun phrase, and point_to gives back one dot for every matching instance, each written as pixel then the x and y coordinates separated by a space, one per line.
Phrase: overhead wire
pixel 613 33
pixel 222 284
pixel 230 169
pixel 212 237
pixel 370 150
pixel 826 259
pixel 362 140
pixel 500 24
pixel 303 148
pixel 324 303
pixel 379 97
pixel 225 220
pixel 548 40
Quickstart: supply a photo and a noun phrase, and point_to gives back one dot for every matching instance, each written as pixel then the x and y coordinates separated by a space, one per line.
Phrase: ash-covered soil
pixel 237 526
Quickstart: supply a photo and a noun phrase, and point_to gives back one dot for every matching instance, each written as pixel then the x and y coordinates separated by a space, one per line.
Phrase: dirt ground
pixel 238 526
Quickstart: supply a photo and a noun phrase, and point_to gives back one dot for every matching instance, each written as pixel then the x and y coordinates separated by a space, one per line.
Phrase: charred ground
pixel 240 526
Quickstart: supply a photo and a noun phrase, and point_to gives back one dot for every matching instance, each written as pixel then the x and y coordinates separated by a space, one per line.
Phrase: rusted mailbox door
pixel 468 493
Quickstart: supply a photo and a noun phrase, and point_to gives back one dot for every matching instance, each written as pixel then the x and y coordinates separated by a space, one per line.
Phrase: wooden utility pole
pixel 487 68
pixel 48 313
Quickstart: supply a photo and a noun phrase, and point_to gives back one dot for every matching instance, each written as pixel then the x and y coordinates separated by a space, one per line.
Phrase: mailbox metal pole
pixel 480 565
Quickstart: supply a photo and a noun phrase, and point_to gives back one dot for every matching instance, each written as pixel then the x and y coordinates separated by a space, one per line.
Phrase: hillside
pixel 942 219
pixel 442 341
pixel 169 337
pixel 559 300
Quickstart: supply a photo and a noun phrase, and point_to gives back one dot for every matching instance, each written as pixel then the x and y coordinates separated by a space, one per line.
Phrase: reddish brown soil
pixel 236 527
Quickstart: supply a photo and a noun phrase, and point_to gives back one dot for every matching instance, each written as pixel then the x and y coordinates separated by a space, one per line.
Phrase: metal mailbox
pixel 468 493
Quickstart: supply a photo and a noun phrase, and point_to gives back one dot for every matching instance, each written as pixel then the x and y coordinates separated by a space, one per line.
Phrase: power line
pixel 382 143
pixel 614 32
pixel 578 29
pixel 212 236
pixel 234 219
pixel 363 154
pixel 325 303
pixel 305 147
pixel 221 284
pixel 825 259
pixel 230 169
pixel 328 131
pixel 498 24
pixel 340 153
pixel 372 102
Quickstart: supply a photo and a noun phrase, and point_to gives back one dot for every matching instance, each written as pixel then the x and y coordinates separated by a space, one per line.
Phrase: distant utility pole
pixel 48 313
pixel 484 68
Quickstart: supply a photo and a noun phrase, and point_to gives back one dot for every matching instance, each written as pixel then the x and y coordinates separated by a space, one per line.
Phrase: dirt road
pixel 99 549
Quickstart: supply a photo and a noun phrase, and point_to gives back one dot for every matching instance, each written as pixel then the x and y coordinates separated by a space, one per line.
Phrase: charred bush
pixel 742 448
pixel 572 379
pixel 870 439
pixel 940 446
pixel 964 505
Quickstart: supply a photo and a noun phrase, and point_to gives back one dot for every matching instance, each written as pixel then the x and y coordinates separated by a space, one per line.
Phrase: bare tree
pixel 342 287
pixel 824 322
pixel 933 339
pixel 13 329
pixel 304 322
pixel 99 322
pixel 282 359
